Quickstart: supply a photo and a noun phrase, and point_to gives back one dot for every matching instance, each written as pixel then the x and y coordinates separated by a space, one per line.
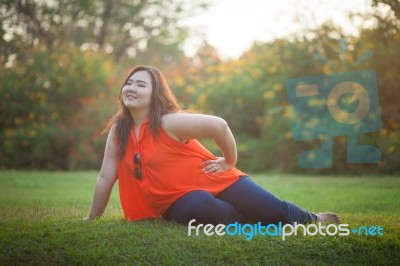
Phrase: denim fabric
pixel 243 201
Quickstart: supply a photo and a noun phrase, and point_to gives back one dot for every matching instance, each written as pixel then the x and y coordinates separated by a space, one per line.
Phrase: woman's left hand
pixel 216 166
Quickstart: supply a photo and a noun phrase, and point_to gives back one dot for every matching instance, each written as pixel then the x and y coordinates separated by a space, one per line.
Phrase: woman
pixel 163 171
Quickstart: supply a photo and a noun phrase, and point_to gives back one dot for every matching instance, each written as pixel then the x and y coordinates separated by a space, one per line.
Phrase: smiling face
pixel 136 93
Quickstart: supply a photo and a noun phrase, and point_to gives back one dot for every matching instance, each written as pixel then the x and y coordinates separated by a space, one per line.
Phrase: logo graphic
pixel 280 230
pixel 341 104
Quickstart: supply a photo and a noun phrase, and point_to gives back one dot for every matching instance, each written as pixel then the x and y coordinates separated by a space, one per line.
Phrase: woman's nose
pixel 132 87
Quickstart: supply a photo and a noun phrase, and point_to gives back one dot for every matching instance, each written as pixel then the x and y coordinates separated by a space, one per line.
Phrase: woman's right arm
pixel 106 179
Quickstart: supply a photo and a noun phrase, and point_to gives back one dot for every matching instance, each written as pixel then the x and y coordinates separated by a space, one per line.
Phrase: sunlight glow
pixel 231 26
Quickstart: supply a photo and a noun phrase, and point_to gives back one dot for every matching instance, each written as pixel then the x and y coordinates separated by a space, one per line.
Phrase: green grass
pixel 41 212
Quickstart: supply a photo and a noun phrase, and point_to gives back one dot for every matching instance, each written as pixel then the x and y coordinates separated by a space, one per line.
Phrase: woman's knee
pixel 208 209
pixel 203 207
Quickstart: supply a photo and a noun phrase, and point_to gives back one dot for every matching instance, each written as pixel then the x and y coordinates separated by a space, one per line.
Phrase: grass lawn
pixel 41 212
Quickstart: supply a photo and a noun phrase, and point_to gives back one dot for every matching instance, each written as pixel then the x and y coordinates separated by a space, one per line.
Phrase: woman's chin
pixel 130 104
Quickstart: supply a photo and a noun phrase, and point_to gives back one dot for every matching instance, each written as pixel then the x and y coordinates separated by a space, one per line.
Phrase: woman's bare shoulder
pixel 171 117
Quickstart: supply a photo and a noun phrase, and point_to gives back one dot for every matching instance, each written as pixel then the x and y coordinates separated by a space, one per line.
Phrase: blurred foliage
pixel 63 63
pixel 249 93
pixel 51 109
pixel 118 27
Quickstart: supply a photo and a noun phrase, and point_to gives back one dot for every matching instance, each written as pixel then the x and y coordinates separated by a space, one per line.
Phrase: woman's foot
pixel 328 217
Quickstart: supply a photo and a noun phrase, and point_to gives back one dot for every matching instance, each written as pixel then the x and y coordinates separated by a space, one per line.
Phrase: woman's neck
pixel 139 117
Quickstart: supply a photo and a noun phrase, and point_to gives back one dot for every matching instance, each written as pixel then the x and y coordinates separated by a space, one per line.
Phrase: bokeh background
pixel 63 62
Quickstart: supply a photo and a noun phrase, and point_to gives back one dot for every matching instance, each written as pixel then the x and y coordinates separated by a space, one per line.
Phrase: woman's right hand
pixel 216 166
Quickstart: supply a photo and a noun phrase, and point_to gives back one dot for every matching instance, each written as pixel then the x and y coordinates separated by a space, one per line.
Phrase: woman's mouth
pixel 131 97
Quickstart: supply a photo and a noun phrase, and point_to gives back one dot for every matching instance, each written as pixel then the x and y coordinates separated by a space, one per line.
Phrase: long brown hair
pixel 163 101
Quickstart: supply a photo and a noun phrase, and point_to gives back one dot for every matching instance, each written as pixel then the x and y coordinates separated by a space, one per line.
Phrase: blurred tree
pixel 393 4
pixel 250 94
pixel 120 27
pixel 48 110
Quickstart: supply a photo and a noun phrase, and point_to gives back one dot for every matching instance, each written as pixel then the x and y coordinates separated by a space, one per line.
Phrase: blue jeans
pixel 243 201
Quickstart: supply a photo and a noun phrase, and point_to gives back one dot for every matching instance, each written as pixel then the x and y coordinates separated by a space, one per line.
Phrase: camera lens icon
pixel 358 94
pixel 326 106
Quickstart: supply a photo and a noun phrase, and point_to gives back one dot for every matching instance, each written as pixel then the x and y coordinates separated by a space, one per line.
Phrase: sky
pixel 231 26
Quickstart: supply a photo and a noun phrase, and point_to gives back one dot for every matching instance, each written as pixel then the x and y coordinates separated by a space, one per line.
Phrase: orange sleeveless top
pixel 169 168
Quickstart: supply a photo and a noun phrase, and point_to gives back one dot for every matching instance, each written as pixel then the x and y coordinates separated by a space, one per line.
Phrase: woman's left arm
pixel 184 126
